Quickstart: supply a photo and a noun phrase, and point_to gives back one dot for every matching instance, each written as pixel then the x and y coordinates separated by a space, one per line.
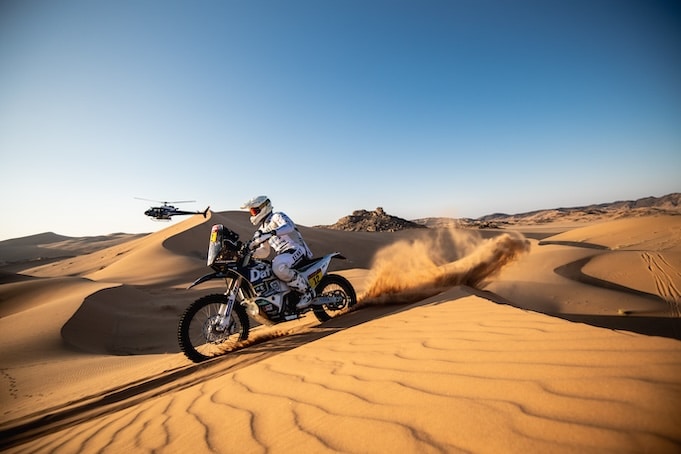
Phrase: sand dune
pixel 89 360
pixel 622 274
pixel 436 377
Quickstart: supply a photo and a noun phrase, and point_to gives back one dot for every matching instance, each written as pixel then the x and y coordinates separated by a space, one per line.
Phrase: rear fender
pixel 315 271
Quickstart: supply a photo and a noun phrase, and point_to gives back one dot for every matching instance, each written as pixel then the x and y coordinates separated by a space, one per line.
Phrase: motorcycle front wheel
pixel 338 286
pixel 199 335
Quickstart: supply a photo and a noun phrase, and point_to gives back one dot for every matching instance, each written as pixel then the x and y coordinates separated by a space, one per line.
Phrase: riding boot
pixel 300 284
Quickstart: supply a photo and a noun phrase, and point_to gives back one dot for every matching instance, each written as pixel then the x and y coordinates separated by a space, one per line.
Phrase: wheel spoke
pixel 197 336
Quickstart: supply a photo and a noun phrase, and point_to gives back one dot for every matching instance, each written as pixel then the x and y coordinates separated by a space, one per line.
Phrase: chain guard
pixel 334 300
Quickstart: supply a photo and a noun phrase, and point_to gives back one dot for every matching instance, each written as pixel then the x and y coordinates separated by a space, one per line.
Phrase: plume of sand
pixel 412 270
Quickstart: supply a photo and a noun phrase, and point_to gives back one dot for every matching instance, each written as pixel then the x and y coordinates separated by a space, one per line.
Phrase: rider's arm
pixel 280 224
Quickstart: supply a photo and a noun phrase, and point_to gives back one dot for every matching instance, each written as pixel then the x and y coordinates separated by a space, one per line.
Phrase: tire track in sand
pixel 664 275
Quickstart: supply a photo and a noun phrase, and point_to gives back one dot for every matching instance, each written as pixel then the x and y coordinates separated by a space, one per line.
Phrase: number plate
pixel 315 278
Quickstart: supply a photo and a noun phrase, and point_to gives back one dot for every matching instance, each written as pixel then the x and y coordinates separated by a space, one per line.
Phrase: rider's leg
pixel 282 266
pixel 300 284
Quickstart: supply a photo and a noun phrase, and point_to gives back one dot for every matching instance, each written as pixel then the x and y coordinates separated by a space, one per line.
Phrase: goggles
pixel 255 210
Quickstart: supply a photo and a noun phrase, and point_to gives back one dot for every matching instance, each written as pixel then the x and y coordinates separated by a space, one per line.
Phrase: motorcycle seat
pixel 306 262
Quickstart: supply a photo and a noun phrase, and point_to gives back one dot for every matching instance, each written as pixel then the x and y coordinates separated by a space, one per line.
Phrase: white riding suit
pixel 288 244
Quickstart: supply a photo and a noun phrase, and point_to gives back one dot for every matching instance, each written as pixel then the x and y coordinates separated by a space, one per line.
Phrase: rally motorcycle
pixel 216 323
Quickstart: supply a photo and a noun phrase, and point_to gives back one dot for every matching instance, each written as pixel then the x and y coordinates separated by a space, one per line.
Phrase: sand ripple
pixel 435 378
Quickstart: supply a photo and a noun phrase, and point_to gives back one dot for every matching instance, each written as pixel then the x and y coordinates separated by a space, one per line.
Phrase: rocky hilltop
pixel 372 221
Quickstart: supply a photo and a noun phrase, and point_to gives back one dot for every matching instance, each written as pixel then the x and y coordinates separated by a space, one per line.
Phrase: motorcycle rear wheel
pixel 334 284
pixel 196 333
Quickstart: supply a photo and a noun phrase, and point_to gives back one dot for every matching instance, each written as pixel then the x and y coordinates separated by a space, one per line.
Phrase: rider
pixel 277 230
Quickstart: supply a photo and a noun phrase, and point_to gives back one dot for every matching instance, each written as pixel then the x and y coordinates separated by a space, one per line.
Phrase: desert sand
pixel 532 339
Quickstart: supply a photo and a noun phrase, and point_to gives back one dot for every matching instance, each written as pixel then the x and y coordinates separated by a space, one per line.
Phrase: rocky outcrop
pixel 372 221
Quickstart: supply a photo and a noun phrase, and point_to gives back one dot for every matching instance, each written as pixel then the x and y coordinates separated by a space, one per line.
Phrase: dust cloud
pixel 408 271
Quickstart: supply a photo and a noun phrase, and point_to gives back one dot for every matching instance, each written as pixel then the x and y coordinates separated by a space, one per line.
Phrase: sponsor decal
pixel 257 275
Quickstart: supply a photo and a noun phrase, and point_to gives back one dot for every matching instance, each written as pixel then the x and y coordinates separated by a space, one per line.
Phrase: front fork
pixel 225 310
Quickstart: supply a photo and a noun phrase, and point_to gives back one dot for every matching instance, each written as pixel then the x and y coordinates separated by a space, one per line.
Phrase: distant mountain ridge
pixel 669 204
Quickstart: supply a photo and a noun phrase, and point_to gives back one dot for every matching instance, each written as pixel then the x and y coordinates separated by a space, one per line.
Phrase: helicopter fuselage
pixel 165 213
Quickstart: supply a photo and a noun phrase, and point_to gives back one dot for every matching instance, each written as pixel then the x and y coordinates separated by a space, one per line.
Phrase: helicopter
pixel 166 211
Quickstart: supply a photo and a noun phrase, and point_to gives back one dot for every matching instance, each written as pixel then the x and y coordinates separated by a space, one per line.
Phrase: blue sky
pixel 426 108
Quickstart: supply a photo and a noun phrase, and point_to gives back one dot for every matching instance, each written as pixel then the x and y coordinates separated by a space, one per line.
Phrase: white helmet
pixel 260 207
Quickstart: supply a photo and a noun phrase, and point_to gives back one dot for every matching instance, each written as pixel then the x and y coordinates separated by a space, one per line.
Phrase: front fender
pixel 207 277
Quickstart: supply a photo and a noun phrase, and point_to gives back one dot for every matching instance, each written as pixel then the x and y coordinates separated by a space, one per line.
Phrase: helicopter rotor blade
pixel 165 203
pixel 148 200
